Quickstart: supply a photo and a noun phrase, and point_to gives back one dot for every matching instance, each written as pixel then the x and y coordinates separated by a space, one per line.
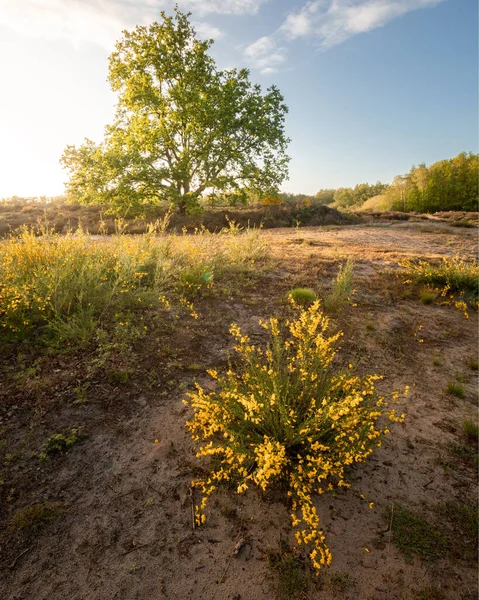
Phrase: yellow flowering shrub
pixel 63 287
pixel 287 415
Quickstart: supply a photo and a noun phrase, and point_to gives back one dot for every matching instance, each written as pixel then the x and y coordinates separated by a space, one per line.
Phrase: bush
pixel 452 274
pixel 302 296
pixel 287 416
pixel 62 289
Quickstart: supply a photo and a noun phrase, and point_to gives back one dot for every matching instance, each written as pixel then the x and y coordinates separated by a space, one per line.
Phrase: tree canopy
pixel 451 184
pixel 182 128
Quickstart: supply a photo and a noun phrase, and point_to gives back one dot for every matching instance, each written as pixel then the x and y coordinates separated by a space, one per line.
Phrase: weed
pixel 302 296
pixel 455 389
pixel 413 535
pixel 293 575
pixel 34 516
pixel 342 581
pixel 471 431
pixel 473 364
pixel 465 454
pixel 119 377
pixel 463 525
pixel 62 290
pixel 59 444
pixel 428 296
pixel 454 274
pixel 341 289
pixel 430 593
pixel 370 326
pixel 286 416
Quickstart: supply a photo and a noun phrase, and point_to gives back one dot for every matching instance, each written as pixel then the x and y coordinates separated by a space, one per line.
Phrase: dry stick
pixel 227 566
pixel 12 566
pixel 390 530
pixel 193 521
pixel 134 548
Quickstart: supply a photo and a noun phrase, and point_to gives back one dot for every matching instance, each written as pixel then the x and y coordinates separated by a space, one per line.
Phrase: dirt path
pixel 123 527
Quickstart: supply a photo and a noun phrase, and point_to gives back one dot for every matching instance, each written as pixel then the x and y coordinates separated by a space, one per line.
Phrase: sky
pixel 373 86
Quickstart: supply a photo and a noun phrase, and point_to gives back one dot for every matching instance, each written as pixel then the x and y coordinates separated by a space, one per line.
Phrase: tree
pixel 182 127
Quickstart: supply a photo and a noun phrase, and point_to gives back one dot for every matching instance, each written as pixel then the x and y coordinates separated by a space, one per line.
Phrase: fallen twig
pixel 12 566
pixel 227 565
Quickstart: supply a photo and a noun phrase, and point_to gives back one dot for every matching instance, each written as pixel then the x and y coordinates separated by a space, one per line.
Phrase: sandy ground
pixel 124 529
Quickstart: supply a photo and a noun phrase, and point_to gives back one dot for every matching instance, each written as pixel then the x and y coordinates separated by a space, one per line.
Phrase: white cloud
pixel 206 31
pixel 327 23
pixel 101 22
pixel 265 55
pixel 331 22
pixel 225 7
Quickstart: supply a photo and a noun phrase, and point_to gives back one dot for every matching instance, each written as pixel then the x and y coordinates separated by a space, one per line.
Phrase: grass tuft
pixel 34 517
pixel 293 575
pixel 427 296
pixel 341 289
pixel 430 593
pixel 455 389
pixel 414 536
pixel 302 296
pixel 471 430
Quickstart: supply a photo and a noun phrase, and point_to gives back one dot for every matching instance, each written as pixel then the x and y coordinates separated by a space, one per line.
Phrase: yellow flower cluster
pixel 286 415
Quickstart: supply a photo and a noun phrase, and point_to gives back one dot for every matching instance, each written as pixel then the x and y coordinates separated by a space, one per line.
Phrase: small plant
pixel 293 575
pixel 428 296
pixel 302 296
pixel 341 289
pixel 463 523
pixel 286 416
pixel 34 516
pixel 415 536
pixel 430 593
pixel 471 430
pixel 59 444
pixel 455 389
pixel 473 364
pixel 341 581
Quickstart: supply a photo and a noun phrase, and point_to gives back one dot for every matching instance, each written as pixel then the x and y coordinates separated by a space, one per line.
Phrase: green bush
pixel 302 296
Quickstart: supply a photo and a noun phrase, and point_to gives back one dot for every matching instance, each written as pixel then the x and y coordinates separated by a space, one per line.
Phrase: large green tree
pixel 182 128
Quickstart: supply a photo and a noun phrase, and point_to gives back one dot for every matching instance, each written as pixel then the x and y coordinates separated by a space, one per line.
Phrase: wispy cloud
pixel 334 21
pixel 328 23
pixel 265 55
pixel 101 23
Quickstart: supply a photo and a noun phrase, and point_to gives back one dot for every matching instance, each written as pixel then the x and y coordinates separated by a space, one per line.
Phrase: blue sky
pixel 373 86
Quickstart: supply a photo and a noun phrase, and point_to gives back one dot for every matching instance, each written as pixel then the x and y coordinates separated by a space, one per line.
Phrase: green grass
pixel 302 296
pixel 341 289
pixel 430 593
pixel 414 536
pixel 463 524
pixel 455 274
pixel 341 582
pixel 293 576
pixel 471 431
pixel 64 290
pixel 427 296
pixel 34 517
pixel 473 364
pixel 455 389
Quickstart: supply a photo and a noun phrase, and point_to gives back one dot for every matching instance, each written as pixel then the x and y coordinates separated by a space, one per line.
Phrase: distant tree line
pixel 357 196
pixel 451 184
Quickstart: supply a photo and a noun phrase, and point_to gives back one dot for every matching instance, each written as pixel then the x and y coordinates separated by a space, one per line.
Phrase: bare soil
pixel 121 524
